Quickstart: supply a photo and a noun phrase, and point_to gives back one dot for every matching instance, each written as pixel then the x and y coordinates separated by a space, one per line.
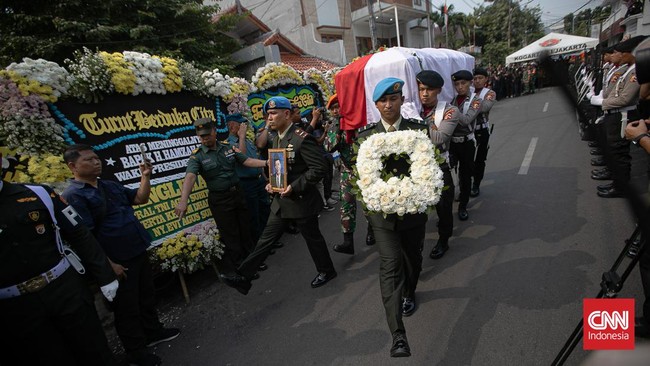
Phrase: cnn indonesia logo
pixel 608 324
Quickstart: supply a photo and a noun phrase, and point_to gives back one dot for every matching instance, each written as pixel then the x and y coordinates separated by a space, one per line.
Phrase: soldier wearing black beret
pixel 463 148
pixel 482 132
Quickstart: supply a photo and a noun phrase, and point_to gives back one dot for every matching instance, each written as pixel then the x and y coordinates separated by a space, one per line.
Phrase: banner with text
pixel 120 127
pixel 304 96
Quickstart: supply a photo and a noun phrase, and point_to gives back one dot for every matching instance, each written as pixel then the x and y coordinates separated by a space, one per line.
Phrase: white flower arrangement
pixel 89 76
pixel 190 249
pixel 191 76
pixel 45 72
pixel 216 84
pixel 314 76
pixel 411 194
pixel 275 74
pixel 148 73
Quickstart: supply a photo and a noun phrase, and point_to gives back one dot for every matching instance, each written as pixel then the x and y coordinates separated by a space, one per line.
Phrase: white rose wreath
pixel 411 194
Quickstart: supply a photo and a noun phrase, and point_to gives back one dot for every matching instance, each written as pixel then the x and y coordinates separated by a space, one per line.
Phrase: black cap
pixel 480 71
pixel 462 75
pixel 430 78
pixel 630 44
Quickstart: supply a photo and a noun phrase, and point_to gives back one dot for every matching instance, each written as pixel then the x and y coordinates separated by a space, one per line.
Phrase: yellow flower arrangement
pixel 274 74
pixel 189 250
pixel 172 81
pixel 27 86
pixel 48 169
pixel 122 77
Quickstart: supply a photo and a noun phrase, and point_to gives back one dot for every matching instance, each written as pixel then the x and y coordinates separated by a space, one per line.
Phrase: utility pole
pixel 373 26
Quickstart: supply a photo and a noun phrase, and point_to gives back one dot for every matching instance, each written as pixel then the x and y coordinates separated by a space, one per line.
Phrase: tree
pixel 54 29
pixel 506 20
pixel 580 24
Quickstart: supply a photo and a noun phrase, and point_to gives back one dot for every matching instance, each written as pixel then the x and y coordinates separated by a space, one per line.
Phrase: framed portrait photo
pixel 278 169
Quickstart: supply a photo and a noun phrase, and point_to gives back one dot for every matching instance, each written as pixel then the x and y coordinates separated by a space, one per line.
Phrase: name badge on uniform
pixel 229 154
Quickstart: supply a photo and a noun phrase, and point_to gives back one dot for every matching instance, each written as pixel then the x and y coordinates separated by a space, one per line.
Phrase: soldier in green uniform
pixel 299 201
pixel 341 142
pixel 442 119
pixel 399 239
pixel 216 162
pixel 46 307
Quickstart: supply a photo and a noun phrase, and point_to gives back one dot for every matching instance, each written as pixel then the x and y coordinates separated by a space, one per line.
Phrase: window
pixel 417 2
pixel 329 38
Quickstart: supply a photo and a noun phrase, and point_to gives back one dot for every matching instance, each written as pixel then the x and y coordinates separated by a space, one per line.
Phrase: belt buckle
pixel 32 285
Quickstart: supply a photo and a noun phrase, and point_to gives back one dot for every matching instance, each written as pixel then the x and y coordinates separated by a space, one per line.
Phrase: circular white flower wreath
pixel 409 194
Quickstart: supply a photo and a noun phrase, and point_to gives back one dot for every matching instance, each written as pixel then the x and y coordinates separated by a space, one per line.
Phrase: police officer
pixel 216 163
pixel 482 130
pixel 462 148
pixel 299 201
pixel 251 179
pixel 442 119
pixel 399 240
pixel 46 308
pixel 619 107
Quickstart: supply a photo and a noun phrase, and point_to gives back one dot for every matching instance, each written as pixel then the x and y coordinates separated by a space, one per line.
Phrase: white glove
pixel 590 94
pixel 597 100
pixel 110 290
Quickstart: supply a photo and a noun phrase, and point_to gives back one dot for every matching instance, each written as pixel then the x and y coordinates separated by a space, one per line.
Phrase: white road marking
pixel 545 107
pixel 528 157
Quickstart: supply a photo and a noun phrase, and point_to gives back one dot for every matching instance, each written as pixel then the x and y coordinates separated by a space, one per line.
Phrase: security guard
pixel 47 311
pixel 299 201
pixel 442 119
pixel 216 163
pixel 482 131
pixel 251 179
pixel 398 239
pixel 619 107
pixel 462 148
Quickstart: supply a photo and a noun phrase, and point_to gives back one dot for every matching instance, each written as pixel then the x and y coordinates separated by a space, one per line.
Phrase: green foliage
pixel 53 30
pixel 580 24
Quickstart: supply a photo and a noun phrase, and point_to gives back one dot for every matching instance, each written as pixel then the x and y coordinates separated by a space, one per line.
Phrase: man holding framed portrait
pixel 296 155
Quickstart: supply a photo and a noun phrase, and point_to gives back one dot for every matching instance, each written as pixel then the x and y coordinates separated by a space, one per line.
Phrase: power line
pixel 573 12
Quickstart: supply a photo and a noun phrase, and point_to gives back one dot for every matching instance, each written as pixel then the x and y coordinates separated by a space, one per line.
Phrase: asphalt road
pixel 508 292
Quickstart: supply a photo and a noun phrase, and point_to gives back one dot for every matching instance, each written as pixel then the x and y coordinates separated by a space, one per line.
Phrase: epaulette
pixel 417 121
pixel 367 127
pixel 300 132
pixel 195 151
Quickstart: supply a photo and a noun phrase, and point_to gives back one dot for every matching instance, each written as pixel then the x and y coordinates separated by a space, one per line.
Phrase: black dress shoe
pixel 262 267
pixel 611 193
pixel 599 161
pixel 408 306
pixel 439 250
pixel 291 229
pixel 605 187
pixel 344 248
pixel 237 281
pixel 603 176
pixel 256 276
pixel 593 144
pixel 596 151
pixel 400 346
pixel 322 278
pixel 475 191
pixel 463 215
pixel 277 244
pixel 370 238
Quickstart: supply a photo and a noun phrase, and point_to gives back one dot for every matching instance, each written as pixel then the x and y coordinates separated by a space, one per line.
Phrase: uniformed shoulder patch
pixel 491 95
pixel 476 104
pixel 195 151
pixel 614 77
pixel 633 78
pixel 367 127
pixel 448 113
pixel 301 133
pixel 26 199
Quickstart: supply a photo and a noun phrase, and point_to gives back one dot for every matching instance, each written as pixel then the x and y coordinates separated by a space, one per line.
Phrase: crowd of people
pixel 515 80
pixel 252 201
pixel 614 101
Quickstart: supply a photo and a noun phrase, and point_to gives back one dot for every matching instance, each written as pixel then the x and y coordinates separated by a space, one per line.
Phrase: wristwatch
pixel 639 138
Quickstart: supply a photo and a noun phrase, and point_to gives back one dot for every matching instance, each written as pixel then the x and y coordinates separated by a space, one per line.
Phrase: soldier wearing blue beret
pixel 299 200
pixel 399 240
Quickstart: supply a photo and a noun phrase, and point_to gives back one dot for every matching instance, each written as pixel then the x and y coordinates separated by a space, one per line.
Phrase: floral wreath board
pixel 406 194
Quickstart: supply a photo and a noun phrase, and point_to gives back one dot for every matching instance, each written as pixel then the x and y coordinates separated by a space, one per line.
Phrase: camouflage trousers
pixel 348 202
